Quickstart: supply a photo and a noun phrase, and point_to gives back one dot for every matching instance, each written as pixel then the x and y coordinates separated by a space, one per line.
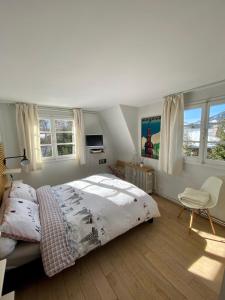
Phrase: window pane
pixel 215 151
pixel 65 149
pixel 63 125
pixel 64 137
pixel 192 132
pixel 217 112
pixel 45 138
pixel 191 149
pixel 45 125
pixel 192 116
pixel 192 128
pixel 46 151
pixel 216 132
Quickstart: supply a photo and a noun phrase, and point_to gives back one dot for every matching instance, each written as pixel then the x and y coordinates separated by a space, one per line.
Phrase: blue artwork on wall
pixel 150 137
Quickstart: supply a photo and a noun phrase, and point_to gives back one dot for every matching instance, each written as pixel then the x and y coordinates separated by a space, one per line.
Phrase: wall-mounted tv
pixel 94 141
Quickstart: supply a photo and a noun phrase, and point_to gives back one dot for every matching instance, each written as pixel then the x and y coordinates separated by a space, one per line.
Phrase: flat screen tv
pixel 94 140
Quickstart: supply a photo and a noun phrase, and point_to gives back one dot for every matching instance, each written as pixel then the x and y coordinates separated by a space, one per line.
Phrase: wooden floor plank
pixel 87 285
pixel 152 261
pixel 147 275
pixel 101 282
pixel 71 283
pixel 118 286
pixel 134 287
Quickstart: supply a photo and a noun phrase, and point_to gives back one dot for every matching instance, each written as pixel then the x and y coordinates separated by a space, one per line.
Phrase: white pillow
pixel 23 191
pixel 7 246
pixel 21 220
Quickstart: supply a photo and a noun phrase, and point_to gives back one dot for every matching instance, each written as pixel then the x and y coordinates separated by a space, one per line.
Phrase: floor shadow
pixel 23 276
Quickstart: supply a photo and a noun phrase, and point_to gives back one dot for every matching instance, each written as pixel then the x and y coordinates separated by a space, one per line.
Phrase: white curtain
pixel 171 136
pixel 79 130
pixel 28 133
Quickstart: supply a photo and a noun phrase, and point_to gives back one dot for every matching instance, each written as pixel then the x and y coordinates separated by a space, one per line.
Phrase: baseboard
pixel 167 197
pixel 202 214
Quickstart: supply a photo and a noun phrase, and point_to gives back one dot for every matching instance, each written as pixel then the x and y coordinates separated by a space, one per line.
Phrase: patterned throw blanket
pixel 55 249
pixel 81 215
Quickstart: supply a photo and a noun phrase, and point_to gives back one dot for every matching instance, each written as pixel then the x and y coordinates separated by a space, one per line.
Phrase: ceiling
pixel 98 53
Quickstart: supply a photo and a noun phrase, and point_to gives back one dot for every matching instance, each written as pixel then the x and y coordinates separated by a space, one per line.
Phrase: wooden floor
pixel 153 261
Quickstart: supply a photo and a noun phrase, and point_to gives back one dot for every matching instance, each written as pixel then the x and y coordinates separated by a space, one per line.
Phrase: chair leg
pixel 191 220
pixel 181 212
pixel 210 221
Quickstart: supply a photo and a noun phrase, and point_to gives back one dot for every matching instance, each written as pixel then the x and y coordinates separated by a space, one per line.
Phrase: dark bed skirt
pixel 150 220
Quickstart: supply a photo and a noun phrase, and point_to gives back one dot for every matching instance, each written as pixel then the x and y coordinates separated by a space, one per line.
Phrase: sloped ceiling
pixel 101 53
pixel 130 115
pixel 119 133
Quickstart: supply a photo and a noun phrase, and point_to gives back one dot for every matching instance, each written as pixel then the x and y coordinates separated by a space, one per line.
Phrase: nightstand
pixel 9 296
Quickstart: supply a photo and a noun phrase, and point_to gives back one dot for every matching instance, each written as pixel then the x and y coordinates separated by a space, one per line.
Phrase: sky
pixel 194 114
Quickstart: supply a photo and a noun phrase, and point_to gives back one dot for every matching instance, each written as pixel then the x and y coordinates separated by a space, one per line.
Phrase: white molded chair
pixel 213 186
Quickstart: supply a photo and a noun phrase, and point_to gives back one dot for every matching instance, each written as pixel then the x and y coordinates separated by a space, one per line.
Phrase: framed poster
pixel 150 137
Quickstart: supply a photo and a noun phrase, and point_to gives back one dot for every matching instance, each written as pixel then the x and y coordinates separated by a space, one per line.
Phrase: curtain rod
pixel 199 87
pixel 50 107
pixel 63 108
pixel 206 99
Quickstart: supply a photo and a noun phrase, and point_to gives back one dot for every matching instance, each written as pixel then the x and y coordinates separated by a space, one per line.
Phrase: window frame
pixel 46 132
pixel 202 157
pixel 207 160
pixel 199 157
pixel 54 144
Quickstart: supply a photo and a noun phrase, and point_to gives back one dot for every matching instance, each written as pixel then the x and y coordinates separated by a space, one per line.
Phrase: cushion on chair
pixel 195 196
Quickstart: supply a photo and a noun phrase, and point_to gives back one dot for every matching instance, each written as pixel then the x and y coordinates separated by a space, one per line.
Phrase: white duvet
pixel 98 208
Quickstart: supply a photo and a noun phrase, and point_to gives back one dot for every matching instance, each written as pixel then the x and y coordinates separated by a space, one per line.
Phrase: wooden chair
pixel 213 186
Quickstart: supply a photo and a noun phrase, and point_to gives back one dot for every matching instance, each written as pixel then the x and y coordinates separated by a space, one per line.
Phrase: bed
pixel 81 215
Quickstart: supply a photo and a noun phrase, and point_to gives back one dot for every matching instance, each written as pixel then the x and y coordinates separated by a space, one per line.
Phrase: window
pixel 57 138
pixel 46 138
pixel 204 132
pixel 216 132
pixel 192 129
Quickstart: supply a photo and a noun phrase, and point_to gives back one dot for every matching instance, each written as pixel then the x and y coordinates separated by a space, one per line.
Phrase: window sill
pixel 56 160
pixel 214 165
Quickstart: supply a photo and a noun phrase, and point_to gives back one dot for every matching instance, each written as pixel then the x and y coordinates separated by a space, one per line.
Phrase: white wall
pixel 8 129
pixel 193 174
pixel 58 171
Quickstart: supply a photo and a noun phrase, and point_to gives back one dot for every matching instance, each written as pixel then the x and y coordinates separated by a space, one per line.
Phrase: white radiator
pixel 140 177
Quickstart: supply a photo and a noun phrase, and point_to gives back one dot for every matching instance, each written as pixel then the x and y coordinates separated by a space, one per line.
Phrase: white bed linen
pixel 101 207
